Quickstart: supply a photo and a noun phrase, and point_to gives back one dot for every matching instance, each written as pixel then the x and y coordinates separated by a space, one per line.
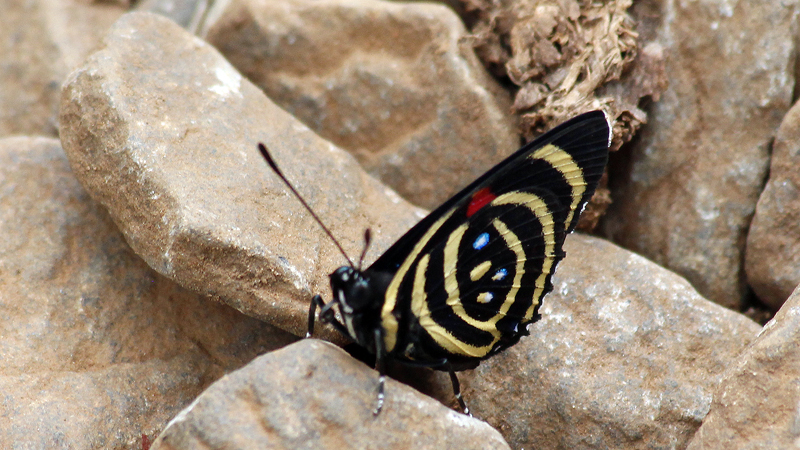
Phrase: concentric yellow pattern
pixel 419 300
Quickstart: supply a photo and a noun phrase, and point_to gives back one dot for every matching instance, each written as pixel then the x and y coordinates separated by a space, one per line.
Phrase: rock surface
pixel 773 243
pixel 42 41
pixel 687 198
pixel 318 397
pixel 97 348
pixel 755 406
pixel 626 355
pixel 162 131
pixel 397 84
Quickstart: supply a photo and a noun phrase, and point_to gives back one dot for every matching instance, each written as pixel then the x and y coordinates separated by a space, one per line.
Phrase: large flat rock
pixel 162 131
pixel 627 355
pixel 97 349
pixel 318 397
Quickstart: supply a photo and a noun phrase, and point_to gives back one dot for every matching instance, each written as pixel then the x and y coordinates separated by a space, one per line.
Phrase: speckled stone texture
pixel 97 349
pixel 42 41
pixel 627 355
pixel 773 244
pixel 685 194
pixel 755 406
pixel 162 131
pixel 316 397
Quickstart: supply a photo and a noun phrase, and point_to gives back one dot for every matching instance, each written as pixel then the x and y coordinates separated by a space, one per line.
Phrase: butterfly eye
pixel 481 241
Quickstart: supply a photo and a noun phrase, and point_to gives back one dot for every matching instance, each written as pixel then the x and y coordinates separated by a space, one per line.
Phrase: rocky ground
pixel 148 256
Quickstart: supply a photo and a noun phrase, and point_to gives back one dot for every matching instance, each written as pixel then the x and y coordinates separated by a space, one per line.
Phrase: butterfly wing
pixel 473 272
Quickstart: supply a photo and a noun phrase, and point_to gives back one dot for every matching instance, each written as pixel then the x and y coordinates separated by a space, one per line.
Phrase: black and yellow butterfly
pixel 466 281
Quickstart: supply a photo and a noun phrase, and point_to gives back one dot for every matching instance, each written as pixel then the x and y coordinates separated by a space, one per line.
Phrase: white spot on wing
pixel 499 275
pixel 610 128
pixel 485 297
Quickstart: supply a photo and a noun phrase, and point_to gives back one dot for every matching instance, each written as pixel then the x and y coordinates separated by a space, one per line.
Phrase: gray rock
pixel 97 349
pixel 162 131
pixel 317 397
pixel 626 355
pixel 773 243
pixel 755 406
pixel 186 13
pixel 696 173
pixel 397 84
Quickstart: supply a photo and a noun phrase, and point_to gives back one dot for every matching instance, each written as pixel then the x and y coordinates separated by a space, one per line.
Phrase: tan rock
pixel 755 406
pixel 626 355
pixel 697 171
pixel 43 41
pixel 773 243
pixel 109 407
pixel 318 397
pixel 397 84
pixel 97 348
pixel 163 131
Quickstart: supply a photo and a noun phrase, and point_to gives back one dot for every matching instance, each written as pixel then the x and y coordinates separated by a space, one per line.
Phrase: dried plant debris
pixel 646 78
pixel 568 57
pixel 563 54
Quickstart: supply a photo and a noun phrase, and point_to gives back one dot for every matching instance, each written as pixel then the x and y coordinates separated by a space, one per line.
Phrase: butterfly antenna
pixel 265 153
pixel 367 241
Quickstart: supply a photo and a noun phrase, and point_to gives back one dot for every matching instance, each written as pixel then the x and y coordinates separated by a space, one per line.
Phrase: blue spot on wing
pixel 481 241
pixel 499 275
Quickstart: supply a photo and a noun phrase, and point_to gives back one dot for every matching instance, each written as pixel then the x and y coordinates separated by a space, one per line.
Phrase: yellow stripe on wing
pixel 564 163
pixel 388 320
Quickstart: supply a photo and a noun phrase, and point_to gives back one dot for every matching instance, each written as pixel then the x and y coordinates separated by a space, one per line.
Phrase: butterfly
pixel 465 282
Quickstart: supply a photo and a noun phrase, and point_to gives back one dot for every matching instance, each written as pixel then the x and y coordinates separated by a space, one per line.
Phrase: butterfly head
pixel 352 290
pixel 359 300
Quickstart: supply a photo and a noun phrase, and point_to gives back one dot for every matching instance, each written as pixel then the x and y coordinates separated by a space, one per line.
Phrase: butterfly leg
pixel 326 315
pixel 457 392
pixel 380 366
pixel 316 301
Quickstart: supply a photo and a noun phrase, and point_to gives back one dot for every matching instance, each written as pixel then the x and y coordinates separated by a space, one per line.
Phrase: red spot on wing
pixel 479 200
